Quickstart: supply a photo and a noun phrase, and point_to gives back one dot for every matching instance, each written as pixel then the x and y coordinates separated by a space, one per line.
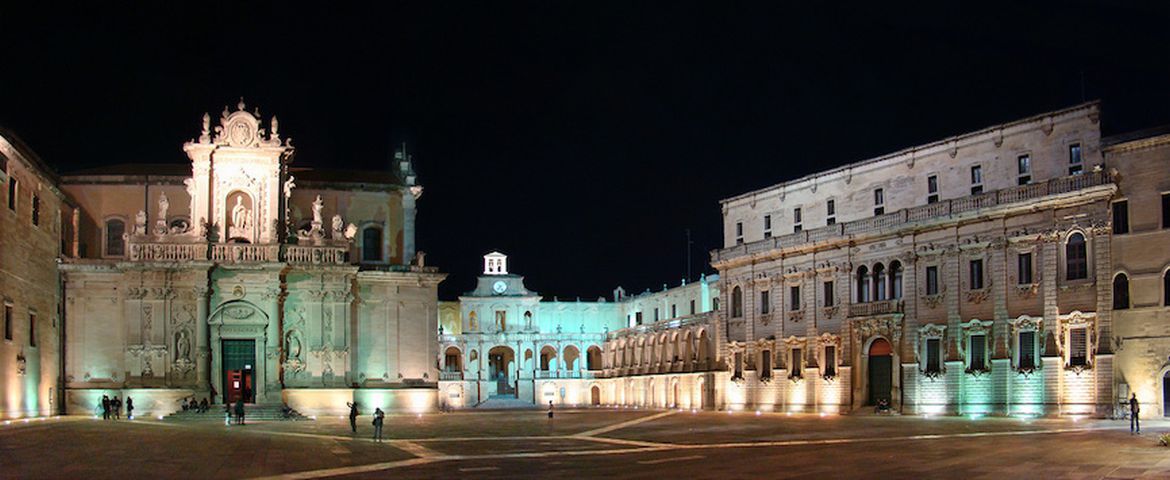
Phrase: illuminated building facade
pixel 972 275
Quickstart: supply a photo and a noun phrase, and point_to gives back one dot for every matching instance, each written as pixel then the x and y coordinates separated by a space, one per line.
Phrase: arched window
pixel 736 302
pixel 1166 288
pixel 115 244
pixel 895 280
pixel 1120 292
pixel 1076 261
pixel 372 244
pixel 879 282
pixel 862 284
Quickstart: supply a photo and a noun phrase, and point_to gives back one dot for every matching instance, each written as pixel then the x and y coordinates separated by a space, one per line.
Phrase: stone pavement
pixel 587 444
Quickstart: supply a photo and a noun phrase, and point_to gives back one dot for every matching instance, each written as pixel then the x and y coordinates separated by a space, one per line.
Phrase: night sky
pixel 582 139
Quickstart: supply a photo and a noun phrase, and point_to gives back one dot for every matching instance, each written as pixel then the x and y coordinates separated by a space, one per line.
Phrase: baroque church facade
pixel 1021 269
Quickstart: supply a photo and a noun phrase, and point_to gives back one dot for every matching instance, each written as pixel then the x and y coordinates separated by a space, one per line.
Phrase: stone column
pixel 202 345
pixel 268 349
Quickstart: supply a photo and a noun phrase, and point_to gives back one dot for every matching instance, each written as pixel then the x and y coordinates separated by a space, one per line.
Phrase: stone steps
pixel 251 412
pixel 505 403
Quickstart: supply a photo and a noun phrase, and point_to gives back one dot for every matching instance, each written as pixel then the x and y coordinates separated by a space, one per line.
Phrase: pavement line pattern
pixel 618 426
pixel 415 449
pixel 672 459
pixel 478 469
pixel 657 447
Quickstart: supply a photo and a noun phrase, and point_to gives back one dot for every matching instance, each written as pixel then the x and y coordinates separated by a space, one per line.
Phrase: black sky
pixel 581 138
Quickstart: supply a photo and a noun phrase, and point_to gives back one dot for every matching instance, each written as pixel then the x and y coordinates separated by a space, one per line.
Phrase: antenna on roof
pixel 688 254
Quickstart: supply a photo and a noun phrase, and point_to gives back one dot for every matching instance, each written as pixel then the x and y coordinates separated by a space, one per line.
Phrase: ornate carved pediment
pixel 239 312
pixel 886 326
pixel 242 129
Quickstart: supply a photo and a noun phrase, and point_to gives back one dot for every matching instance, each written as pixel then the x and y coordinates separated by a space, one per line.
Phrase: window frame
pixel 35 213
pixel 1031 268
pixel 1076 167
pixel 765 302
pixel 830 212
pixel 794 303
pixel 32 329
pixel 106 236
pixel 739 232
pixel 928 335
pixel 381 229
pixel 932 188
pixel 768 226
pixel 1120 218
pixel 736 302
pixel 879 201
pixel 1021 325
pixel 1024 169
pixel 976 179
pixel 797 219
pixel 1165 210
pixel 1082 263
pixel 931 282
pixel 13 193
pixel 829 296
pixel 1123 301
pixel 9 313
pixel 976 274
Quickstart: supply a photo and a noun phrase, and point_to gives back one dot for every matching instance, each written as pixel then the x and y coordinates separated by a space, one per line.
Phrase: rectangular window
pixel 36 210
pixel 765 302
pixel 932 280
pixel 638 318
pixel 796 368
pixel 656 314
pixel 32 329
pixel 976 180
pixel 673 311
pixel 1075 165
pixel 738 365
pixel 976 271
pixel 1120 217
pixel 830 361
pixel 1024 268
pixel 831 212
pixel 794 298
pixel 767 226
pixel 1023 170
pixel 1078 354
pixel 932 189
pixel 12 191
pixel 797 219
pixel 829 294
pixel 1166 210
pixel 978 357
pixel 933 355
pixel 1027 350
pixel 692 307
pixel 7 321
pixel 739 233
pixel 766 364
pixel 879 202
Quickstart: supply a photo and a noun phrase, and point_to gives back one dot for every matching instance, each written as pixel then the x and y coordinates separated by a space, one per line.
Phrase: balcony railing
pixel 316 255
pixel 566 374
pixel 244 253
pixel 904 218
pixel 166 252
pixel 147 250
pixel 880 307
pixel 449 376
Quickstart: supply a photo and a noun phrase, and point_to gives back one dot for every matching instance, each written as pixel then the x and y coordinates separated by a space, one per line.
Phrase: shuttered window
pixel 1078 354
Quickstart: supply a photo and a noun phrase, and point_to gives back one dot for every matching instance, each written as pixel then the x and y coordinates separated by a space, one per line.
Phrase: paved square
pixel 587 443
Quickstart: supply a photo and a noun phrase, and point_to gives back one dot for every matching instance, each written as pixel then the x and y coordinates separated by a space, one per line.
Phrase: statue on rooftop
pixel 317 206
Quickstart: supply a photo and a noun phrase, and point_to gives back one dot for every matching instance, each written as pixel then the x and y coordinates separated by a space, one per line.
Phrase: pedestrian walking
pixel 353 414
pixel 379 418
pixel 1134 410
pixel 116 404
pixel 240 411
pixel 550 410
pixel 105 407
pixel 129 408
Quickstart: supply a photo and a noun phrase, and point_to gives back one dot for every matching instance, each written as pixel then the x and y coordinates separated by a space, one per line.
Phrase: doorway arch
pixel 595 396
pixel 881 371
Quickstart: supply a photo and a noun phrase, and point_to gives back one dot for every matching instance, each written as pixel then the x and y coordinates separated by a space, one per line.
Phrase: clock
pixel 499 286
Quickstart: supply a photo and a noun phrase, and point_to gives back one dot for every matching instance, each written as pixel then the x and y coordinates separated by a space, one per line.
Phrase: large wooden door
pixel 881 372
pixel 239 359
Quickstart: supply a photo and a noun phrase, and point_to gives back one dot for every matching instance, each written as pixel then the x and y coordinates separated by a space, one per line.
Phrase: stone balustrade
pixel 311 255
pixel 880 307
pixel 910 217
pixel 449 376
pixel 165 252
pixel 244 253
pixel 152 250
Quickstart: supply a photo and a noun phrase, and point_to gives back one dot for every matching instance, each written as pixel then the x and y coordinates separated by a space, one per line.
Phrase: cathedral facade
pixel 241 276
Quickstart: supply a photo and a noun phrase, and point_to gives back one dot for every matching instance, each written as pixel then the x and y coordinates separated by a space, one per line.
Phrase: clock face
pixel 499 286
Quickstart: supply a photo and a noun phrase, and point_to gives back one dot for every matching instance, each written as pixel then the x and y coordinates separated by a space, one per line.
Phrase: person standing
pixel 550 410
pixel 1134 410
pixel 116 404
pixel 240 411
pixel 129 408
pixel 353 414
pixel 379 418
pixel 105 407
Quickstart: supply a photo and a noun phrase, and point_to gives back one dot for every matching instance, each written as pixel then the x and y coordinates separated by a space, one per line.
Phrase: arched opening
pixel 501 362
pixel 1076 263
pixel 895 280
pixel 372 244
pixel 862 284
pixel 674 398
pixel 702 393
pixel 548 356
pixel 1166 394
pixel 595 396
pixel 881 371
pixel 593 358
pixel 736 302
pixel 879 282
pixel 1166 288
pixel 452 360
pixel 704 358
pixel 572 358
pixel 1120 292
pixel 240 219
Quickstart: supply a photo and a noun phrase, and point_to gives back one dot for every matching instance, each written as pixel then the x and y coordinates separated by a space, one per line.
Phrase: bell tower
pixel 495 263
pixel 238 180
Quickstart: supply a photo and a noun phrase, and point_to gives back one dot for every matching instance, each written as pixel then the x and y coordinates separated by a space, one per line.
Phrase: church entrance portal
pixel 239 360
pixel 500 363
pixel 881 371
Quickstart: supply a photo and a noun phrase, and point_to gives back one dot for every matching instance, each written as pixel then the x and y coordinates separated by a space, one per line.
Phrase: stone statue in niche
pixel 160 225
pixel 528 321
pixel 241 219
pixel 182 345
pixel 338 226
